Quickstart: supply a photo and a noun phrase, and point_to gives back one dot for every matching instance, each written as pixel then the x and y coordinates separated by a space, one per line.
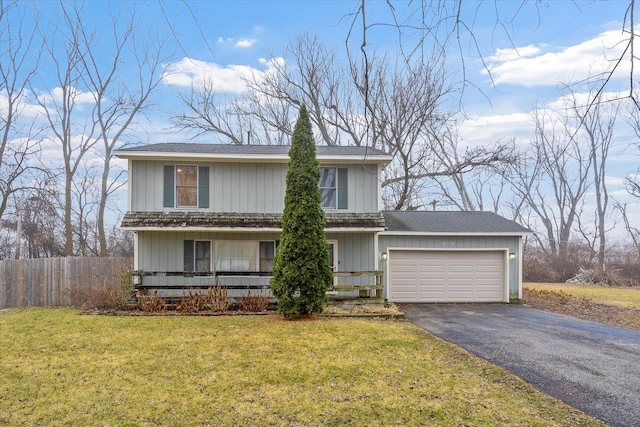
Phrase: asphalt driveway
pixel 590 366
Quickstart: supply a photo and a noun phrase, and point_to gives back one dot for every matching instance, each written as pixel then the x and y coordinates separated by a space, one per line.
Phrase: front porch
pixel 349 288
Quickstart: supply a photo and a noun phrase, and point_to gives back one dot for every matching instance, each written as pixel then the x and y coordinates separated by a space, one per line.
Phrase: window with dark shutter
pixel 186 186
pixel 189 256
pixel 343 187
pixel 203 187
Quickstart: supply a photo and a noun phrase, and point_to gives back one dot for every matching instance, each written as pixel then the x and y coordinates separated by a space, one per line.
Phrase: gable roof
pixel 450 222
pixel 248 152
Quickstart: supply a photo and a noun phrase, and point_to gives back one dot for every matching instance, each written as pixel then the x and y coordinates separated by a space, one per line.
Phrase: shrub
pixel 193 303
pixel 112 296
pixel 216 299
pixel 153 304
pixel 301 271
pixel 254 303
pixel 88 297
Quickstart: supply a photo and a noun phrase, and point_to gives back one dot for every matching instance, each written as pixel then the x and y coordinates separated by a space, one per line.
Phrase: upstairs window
pixel 333 185
pixel 186 186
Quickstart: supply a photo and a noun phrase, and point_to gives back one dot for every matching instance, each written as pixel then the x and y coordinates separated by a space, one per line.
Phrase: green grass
pixel 61 368
pixel 619 297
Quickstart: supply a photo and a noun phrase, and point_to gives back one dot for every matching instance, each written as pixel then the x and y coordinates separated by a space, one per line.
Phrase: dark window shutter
pixel 203 187
pixel 189 256
pixel 343 185
pixel 169 187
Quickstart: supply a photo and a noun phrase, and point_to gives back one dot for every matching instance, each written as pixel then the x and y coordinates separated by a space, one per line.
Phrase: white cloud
pixel 483 130
pixel 21 105
pixel 192 72
pixel 539 66
pixel 245 42
pixel 583 99
pixel 504 55
pixel 79 97
pixel 241 43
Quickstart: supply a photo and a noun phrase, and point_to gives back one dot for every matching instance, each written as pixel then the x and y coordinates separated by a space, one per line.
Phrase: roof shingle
pixel 451 222
pixel 172 220
pixel 233 149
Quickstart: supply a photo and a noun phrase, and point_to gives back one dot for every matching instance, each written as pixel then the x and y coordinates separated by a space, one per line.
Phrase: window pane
pixel 203 256
pixel 327 186
pixel 187 185
pixel 236 255
pixel 327 178
pixel 328 196
pixel 267 254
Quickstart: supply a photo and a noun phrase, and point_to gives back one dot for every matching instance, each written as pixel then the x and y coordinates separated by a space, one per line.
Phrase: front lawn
pixel 61 368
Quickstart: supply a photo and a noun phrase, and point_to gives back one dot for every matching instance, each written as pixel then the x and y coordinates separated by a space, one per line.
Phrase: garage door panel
pixel 446 276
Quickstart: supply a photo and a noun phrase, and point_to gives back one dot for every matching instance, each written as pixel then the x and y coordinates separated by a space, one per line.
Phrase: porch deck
pixel 368 285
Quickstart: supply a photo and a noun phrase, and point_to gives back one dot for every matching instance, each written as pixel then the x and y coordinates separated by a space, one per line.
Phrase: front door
pixel 333 256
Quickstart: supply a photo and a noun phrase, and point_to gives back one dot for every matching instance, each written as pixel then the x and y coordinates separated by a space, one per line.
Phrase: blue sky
pixel 540 49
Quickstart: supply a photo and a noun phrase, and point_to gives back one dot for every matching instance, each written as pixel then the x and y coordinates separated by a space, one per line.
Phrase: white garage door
pixel 446 276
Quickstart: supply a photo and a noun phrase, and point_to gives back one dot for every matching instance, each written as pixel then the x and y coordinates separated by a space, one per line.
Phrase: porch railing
pixel 372 289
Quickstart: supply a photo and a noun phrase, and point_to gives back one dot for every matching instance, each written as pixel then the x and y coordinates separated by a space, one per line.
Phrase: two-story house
pixel 208 208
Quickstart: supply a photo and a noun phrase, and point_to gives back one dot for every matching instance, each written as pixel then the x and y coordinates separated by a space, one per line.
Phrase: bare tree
pixel 98 97
pixel 633 232
pixel 402 116
pixel 266 112
pixel 73 131
pixel 121 92
pixel 42 227
pixel 597 123
pixel 476 180
pixel 210 111
pixel 19 138
pixel 552 181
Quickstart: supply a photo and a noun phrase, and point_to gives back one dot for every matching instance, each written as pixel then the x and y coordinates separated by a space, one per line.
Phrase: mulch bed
pixel 582 307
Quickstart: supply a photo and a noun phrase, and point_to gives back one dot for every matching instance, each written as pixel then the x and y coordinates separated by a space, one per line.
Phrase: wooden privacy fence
pixel 51 282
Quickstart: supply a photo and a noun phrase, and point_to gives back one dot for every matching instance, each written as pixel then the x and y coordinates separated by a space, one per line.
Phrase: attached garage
pixel 451 257
pixel 447 276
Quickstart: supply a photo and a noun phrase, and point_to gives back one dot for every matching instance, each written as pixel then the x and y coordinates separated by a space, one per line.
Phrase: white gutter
pixel 278 158
pixel 248 229
pixel 457 233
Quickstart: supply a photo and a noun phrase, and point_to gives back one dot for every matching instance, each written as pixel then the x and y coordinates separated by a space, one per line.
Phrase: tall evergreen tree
pixel 301 271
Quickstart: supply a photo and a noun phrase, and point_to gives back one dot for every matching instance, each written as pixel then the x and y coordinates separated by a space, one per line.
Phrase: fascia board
pixel 246 230
pixel 257 158
pixel 443 233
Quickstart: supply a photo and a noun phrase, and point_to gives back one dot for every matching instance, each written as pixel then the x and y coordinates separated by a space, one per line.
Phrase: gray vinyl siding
pixel 147 185
pixel 246 187
pixel 356 252
pixel 459 242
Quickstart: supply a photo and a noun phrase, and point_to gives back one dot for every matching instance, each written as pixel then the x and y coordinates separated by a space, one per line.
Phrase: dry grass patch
pixel 61 368
pixel 613 306
pixel 619 297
